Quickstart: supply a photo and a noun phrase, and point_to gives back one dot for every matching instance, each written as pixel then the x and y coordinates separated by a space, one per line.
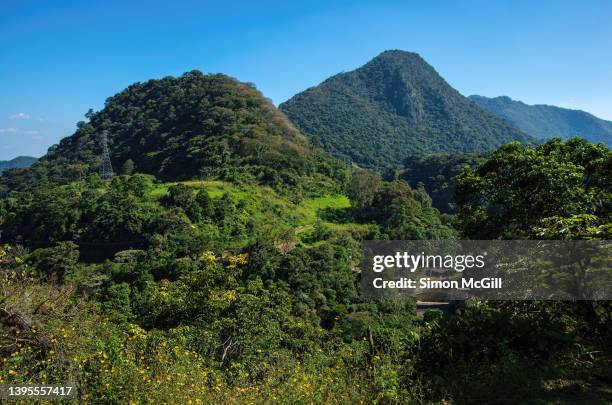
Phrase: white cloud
pixel 37 137
pixel 8 130
pixel 20 116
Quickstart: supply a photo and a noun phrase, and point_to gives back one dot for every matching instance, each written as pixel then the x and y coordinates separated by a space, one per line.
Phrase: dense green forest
pixel 437 174
pixel 192 126
pixel 555 191
pixel 222 264
pixel 394 106
pixel 547 121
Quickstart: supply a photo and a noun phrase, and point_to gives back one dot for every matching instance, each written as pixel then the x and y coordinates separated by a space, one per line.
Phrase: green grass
pixel 328 201
pixel 264 203
pixel 313 207
pixel 268 208
pixel 215 188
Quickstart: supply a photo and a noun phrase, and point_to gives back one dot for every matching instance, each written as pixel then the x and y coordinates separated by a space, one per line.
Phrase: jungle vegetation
pixel 240 284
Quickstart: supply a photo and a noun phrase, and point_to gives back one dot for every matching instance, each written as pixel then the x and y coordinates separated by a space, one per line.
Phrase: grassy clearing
pixel 328 201
pixel 262 201
pixel 215 188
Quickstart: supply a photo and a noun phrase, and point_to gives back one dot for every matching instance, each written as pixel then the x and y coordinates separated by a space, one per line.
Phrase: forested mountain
pixel 184 127
pixel 194 130
pixel 547 121
pixel 227 284
pixel 395 105
pixel 18 162
pixel 233 274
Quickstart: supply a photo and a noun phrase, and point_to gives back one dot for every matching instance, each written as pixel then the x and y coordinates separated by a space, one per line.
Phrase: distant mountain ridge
pixel 19 162
pixel 547 121
pixel 394 106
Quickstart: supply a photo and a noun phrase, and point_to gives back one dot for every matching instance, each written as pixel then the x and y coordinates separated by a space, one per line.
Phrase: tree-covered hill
pixel 18 162
pixel 547 121
pixel 395 105
pixel 213 283
pixel 185 127
pixel 194 128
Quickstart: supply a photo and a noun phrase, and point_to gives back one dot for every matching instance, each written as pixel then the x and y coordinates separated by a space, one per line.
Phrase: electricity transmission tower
pixel 106 169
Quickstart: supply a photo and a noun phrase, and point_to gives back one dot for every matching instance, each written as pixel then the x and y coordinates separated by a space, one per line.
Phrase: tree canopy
pixel 519 189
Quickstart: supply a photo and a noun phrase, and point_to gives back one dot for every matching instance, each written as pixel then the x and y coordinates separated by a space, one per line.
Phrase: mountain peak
pixel 393 60
pixel 393 106
pixel 398 54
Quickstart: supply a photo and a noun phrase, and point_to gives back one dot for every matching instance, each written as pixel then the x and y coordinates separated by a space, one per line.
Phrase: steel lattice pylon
pixel 106 169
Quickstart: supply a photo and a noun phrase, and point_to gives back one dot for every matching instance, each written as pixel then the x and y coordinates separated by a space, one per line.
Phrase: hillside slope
pixel 547 121
pixel 19 162
pixel 394 106
pixel 192 126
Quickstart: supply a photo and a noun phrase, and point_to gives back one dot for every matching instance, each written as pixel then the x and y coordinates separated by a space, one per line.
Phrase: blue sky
pixel 60 58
